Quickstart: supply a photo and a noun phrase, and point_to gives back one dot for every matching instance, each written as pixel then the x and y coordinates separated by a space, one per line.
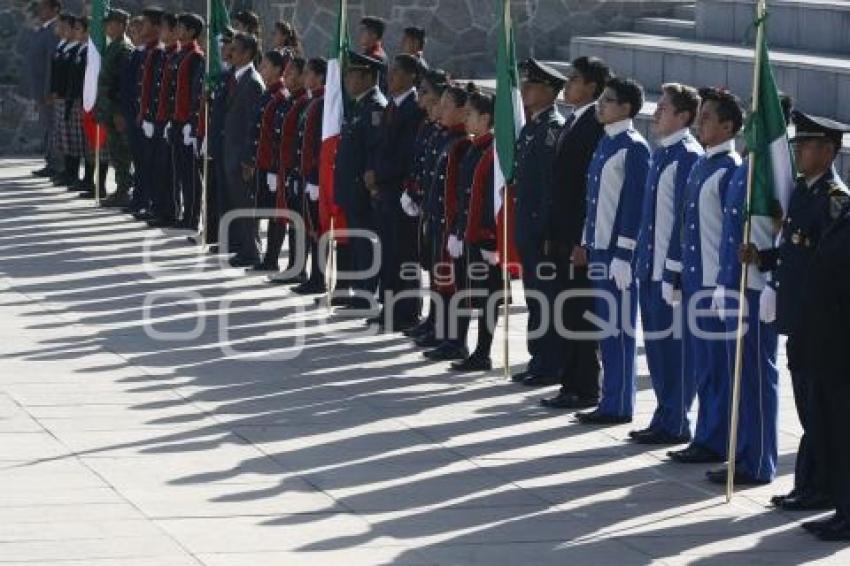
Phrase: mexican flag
pixel 509 119
pixel 767 141
pixel 97 45
pixel 334 112
pixel 219 20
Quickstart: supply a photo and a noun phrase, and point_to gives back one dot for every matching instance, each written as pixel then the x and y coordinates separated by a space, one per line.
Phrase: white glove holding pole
pixel 409 207
pixel 187 131
pixel 670 294
pixel 147 128
pixel 165 130
pixel 718 301
pixel 312 192
pixel 454 246
pixel 490 257
pixel 271 180
pixel 767 305
pixel 203 147
pixel 621 272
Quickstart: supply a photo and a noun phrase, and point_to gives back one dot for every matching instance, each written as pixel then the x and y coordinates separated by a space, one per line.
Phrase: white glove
pixel 621 273
pixel 767 305
pixel 147 128
pixel 271 179
pixel 490 257
pixel 187 131
pixel 409 207
pixel 454 246
pixel 165 130
pixel 312 192
pixel 189 140
pixel 670 295
pixel 718 301
pixel 203 147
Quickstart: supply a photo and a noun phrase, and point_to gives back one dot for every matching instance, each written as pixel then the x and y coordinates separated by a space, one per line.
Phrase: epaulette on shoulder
pixel 837 188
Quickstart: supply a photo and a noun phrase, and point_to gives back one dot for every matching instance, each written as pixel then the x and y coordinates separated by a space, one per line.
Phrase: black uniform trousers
pixel 485 281
pixel 539 280
pixel 187 166
pixel 808 479
pixel 244 239
pixel 397 234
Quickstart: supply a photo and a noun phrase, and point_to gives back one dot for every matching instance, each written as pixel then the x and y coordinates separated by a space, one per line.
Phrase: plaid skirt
pixel 60 128
pixel 74 134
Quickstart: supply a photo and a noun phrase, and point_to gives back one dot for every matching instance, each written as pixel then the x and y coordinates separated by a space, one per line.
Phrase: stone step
pixel 818 83
pixel 687 12
pixel 667 26
pixel 816 25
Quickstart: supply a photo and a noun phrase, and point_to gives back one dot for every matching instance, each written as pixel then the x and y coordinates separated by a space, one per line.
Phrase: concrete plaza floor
pixel 158 410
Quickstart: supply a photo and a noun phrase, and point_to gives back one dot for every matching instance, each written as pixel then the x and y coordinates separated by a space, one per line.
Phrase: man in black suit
pixel 238 150
pixel 396 230
pixel 42 45
pixel 574 151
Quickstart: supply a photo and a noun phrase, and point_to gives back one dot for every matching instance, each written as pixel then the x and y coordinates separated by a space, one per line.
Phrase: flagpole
pixel 330 267
pixel 97 164
pixel 739 336
pixel 202 236
pixel 506 273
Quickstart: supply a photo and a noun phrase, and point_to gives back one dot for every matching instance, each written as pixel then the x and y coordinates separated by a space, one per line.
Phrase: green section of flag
pixel 340 42
pixel 507 88
pixel 99 8
pixel 767 142
pixel 219 20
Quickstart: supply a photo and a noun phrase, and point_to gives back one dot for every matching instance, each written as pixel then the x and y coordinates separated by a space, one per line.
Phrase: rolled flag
pixel 219 21
pixel 97 45
pixel 332 117
pixel 509 121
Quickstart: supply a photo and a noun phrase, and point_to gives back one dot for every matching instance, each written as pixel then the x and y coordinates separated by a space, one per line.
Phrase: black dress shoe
pixel 635 433
pixel 695 454
pixel 539 380
pixel 520 377
pixel 719 476
pixel 597 417
pixel 309 289
pixel 806 502
pixel 43 172
pixel 569 401
pixel 660 438
pixel 472 363
pixel 819 525
pixel 446 352
pixel 429 340
pixel 836 532
pixel 420 329
pixel 114 201
pixel 262 267
pixel 241 262
pixel 777 500
pixel 376 321
pixel 160 223
pixel 144 215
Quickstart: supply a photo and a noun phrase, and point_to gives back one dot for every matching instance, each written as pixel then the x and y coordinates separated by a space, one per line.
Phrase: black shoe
pixel 837 532
pixel 597 417
pixel 564 400
pixel 806 502
pixel 61 180
pixel 659 438
pixel 262 267
pixel 520 377
pixel 777 500
pixel 43 172
pixel 695 454
pixel 633 434
pixel 241 262
pixel 115 201
pixel 427 341
pixel 471 364
pixel 420 329
pixel 539 380
pixel 719 476
pixel 819 525
pixel 339 299
pixel 377 320
pixel 160 223
pixel 446 352
pixel 309 289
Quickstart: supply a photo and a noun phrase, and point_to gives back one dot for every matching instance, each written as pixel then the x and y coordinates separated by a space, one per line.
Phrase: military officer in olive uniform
pixel 533 176
pixel 108 107
pixel 816 202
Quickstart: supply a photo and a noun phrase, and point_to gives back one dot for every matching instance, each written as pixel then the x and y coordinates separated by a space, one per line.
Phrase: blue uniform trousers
pixel 711 371
pixel 757 450
pixel 617 352
pixel 669 368
pixel 539 286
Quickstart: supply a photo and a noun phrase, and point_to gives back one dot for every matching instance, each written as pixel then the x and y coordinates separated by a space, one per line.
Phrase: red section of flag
pixel 328 209
pixel 508 253
pixel 96 138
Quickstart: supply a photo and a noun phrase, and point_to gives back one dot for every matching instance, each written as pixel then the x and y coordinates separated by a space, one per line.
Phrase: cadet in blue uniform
pixel 615 184
pixel 565 223
pixel 668 176
pixel 392 163
pixel 533 175
pixel 359 139
pixel 693 263
pixel 816 201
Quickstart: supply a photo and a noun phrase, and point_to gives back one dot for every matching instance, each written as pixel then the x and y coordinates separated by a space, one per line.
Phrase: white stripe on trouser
pixel 623 366
pixel 683 415
pixel 761 399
